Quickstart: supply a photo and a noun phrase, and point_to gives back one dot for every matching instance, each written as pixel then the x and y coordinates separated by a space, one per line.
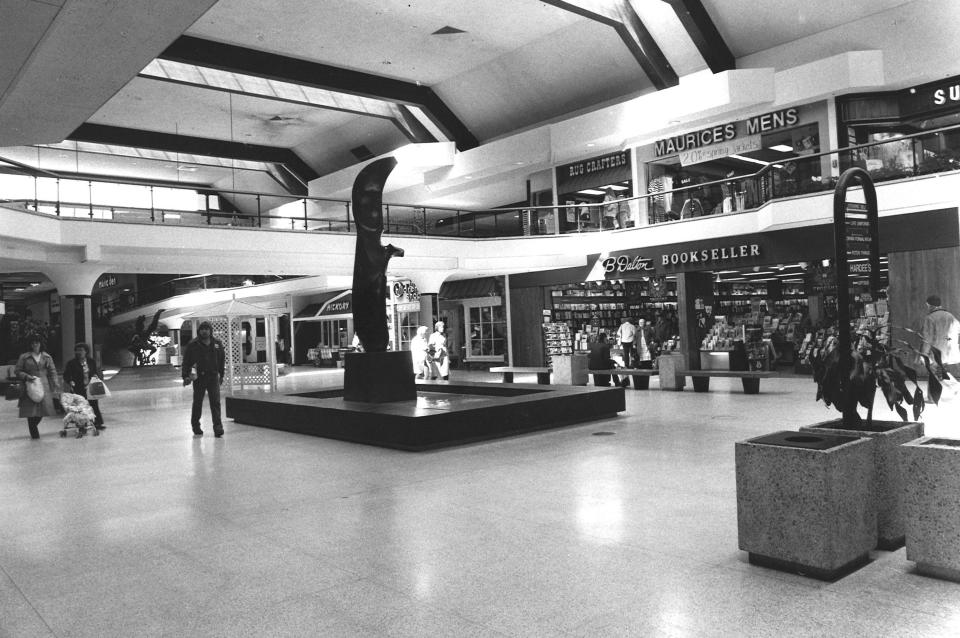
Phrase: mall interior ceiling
pixel 266 97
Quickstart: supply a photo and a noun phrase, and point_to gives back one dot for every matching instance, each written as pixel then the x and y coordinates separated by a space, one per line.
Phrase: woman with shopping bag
pixel 35 368
pixel 82 376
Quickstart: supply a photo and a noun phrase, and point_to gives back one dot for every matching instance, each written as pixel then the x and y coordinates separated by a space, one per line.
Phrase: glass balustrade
pixel 892 158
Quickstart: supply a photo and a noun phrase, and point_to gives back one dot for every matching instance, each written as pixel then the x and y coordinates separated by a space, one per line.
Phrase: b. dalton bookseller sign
pixel 662 260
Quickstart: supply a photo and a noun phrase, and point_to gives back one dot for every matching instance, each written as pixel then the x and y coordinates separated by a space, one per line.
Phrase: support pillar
pixel 692 286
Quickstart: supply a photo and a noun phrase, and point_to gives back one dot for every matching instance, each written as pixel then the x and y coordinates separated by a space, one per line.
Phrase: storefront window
pixel 408 323
pixel 699 197
pixel 486 332
pixel 333 333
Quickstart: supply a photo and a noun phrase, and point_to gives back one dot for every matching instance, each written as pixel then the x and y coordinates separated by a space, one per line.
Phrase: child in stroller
pixel 79 415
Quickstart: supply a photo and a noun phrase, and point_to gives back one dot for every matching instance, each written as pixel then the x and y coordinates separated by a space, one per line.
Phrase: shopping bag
pixel 35 389
pixel 12 391
pixel 97 390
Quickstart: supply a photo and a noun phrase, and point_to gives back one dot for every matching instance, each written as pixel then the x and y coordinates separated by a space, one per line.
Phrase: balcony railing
pixel 902 157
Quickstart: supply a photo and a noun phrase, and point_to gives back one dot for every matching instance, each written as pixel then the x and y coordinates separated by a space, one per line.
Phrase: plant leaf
pixel 937 356
pixel 918 404
pixel 902 411
pixel 934 387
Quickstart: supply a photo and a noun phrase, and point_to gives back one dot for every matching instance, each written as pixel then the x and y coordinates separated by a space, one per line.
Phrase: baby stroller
pixel 79 415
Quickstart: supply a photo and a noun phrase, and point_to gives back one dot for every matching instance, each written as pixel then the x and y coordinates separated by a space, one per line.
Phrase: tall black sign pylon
pixel 856 252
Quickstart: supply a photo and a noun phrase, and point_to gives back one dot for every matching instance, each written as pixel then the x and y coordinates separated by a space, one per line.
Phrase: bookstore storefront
pixel 759 300
pixel 765 296
pixel 731 149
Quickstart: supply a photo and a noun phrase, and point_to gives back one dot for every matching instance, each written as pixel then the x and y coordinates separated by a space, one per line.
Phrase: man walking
pixel 203 364
pixel 941 330
pixel 626 334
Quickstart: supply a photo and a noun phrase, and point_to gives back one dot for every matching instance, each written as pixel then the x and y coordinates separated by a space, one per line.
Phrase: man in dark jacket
pixel 203 364
pixel 599 359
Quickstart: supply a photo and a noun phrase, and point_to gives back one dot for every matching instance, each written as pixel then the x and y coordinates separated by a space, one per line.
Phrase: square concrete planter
pixel 889 435
pixel 806 502
pixel 931 496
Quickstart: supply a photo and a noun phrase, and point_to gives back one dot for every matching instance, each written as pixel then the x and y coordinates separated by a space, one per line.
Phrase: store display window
pixel 698 197
pixel 486 332
pixel 333 333
pixel 593 194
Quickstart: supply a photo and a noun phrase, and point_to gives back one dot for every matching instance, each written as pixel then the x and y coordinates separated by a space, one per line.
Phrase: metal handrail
pixel 458 218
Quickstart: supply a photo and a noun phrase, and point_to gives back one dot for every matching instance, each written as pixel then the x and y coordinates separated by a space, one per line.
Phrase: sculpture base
pixel 444 414
pixel 379 377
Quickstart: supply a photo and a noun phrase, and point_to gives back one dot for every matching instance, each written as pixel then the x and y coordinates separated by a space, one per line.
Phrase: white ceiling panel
pixel 386 37
pixel 581 66
pixel 749 26
pixel 22 24
pixel 168 107
pixel 329 150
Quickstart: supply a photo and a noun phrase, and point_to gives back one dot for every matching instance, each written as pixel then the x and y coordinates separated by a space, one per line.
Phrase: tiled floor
pixel 147 531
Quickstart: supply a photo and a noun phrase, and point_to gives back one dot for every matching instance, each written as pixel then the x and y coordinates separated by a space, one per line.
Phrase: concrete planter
pixel 806 502
pixel 931 471
pixel 889 435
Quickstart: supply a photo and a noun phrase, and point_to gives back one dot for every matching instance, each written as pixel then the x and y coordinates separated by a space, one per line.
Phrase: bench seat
pixel 749 378
pixel 543 374
pixel 641 377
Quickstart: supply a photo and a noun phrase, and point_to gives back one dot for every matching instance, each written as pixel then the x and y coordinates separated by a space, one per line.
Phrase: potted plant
pixel 875 364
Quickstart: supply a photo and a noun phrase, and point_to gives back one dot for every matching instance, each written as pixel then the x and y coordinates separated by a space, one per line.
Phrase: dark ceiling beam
pixel 119 136
pixel 625 21
pixel 228 57
pixel 704 33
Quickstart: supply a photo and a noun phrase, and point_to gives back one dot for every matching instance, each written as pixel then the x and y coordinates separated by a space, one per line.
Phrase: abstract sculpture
pixel 370 262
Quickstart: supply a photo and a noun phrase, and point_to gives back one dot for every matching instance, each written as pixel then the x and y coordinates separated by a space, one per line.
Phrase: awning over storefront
pixel 469 288
pixel 331 304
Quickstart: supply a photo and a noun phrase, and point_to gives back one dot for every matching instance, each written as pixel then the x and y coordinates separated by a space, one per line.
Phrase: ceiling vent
pixel 361 153
pixel 448 31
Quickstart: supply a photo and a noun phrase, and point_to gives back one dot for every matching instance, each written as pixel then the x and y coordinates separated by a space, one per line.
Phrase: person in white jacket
pixel 438 359
pixel 418 352
pixel 941 330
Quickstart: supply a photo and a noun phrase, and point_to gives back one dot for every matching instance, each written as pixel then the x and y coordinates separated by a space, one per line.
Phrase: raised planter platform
pixel 931 472
pixel 443 414
pixel 806 502
pixel 889 435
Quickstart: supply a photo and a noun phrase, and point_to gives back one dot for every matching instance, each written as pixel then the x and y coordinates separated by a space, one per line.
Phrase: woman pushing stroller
pixel 77 375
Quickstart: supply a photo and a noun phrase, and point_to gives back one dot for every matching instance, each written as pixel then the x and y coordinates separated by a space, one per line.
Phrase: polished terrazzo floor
pixel 147 531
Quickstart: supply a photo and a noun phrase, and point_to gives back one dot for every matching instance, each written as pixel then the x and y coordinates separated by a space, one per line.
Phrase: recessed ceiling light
pixel 783 148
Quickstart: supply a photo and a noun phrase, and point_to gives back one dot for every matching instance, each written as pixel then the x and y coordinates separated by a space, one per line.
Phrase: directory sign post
pixel 856 254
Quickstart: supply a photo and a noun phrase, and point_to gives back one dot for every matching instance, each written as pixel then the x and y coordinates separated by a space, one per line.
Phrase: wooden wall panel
pixel 526 316
pixel 913 277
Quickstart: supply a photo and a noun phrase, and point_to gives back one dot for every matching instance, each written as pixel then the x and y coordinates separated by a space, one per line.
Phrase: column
pixel 690 287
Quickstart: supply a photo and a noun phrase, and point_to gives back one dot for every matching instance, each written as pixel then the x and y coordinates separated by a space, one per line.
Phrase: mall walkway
pixel 147 531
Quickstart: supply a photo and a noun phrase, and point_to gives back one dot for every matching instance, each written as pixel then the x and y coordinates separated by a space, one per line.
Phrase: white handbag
pixel 35 389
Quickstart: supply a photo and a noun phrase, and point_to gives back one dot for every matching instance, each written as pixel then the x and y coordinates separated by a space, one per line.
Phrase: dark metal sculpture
pixel 140 346
pixel 370 262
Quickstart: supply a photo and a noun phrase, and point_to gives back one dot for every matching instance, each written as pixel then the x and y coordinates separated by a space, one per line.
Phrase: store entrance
pixel 778 316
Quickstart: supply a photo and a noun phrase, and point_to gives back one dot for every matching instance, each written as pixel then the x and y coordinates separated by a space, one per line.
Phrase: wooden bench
pixel 641 378
pixel 543 374
pixel 749 378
